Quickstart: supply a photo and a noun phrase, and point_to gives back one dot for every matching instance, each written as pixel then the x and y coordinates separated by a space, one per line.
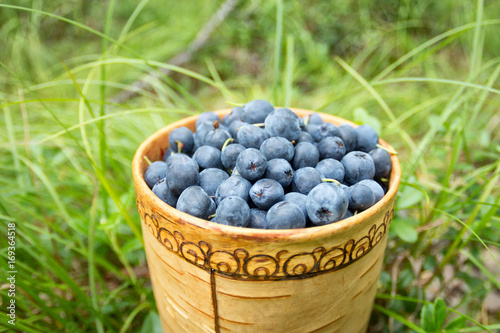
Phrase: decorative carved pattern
pixel 240 264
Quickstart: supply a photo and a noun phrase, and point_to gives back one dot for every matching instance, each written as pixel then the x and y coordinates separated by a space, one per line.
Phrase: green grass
pixel 425 73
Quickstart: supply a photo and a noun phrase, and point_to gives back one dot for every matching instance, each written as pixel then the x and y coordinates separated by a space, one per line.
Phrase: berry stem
pixel 180 145
pixel 227 143
pixel 147 160
pixel 211 216
pixel 306 120
pixel 259 124
pixel 330 180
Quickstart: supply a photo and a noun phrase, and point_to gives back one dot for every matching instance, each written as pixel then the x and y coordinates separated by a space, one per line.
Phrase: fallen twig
pixel 181 58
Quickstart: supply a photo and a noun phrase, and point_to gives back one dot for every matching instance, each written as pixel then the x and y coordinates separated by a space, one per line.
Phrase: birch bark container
pixel 208 277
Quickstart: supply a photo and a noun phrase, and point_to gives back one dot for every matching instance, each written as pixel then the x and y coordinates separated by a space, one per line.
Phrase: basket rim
pixel 263 235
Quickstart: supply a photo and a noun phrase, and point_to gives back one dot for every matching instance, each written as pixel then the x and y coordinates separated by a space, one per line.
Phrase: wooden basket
pixel 209 277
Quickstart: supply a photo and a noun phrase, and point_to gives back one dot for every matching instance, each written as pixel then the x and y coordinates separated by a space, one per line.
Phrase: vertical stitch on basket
pixel 214 300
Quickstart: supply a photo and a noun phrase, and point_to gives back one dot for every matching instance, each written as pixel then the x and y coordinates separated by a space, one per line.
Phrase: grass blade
pixel 132 315
pixel 482 268
pixel 399 318
pixel 132 19
pixel 452 248
pixel 37 170
pixel 289 65
pixel 277 50
pixel 430 42
pixel 378 98
pixel 13 147
pixel 436 80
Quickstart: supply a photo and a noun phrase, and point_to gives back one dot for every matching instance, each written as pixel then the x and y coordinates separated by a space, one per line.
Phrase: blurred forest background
pixel 424 74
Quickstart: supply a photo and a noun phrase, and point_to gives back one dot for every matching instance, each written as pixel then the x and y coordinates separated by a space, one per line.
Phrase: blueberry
pixel 202 130
pixel 206 116
pixel 257 219
pixel 235 114
pixel 251 136
pixel 182 174
pixel 326 203
pixel 277 147
pixel 195 201
pixel 358 166
pixel 279 170
pixel 251 204
pixel 230 154
pixel 197 144
pixel 349 136
pixel 299 199
pixel 235 126
pixel 155 172
pixel 383 163
pixel 305 179
pixel 251 164
pixel 211 179
pixel 332 169
pixel 384 186
pixel 331 147
pixel 313 119
pixel 367 138
pixel 233 211
pixel 319 132
pixel 208 157
pixel 283 122
pixel 256 111
pixel 217 137
pixel 348 214
pixel 306 155
pixel 285 215
pixel 233 186
pixel 302 126
pixel 182 158
pixel 167 153
pixel 163 192
pixel 304 137
pixel 181 139
pixel 266 192
pixel 377 190
pixel 360 197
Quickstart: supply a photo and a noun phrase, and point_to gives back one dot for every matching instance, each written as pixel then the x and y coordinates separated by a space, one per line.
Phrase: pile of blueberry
pixel 267 168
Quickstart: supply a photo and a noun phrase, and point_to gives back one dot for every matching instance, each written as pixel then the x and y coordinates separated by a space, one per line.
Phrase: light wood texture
pixel 212 278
